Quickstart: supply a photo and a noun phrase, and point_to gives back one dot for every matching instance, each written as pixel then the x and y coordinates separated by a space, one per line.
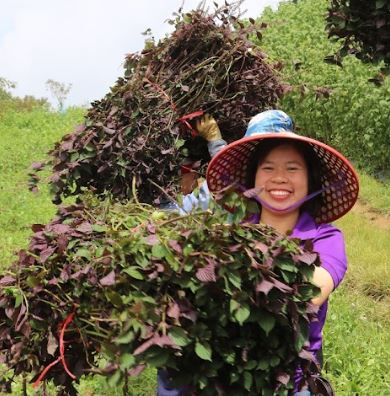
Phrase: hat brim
pixel 338 177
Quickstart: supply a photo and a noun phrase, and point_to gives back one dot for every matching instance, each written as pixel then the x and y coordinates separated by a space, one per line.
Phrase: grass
pixel 368 249
pixel 357 336
pixel 375 193
pixel 25 138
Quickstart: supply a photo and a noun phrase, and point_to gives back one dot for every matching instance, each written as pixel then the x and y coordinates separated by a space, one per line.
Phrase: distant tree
pixel 59 90
pixel 5 85
pixel 363 27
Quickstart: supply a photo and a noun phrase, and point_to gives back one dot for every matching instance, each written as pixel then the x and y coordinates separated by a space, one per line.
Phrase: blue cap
pixel 269 121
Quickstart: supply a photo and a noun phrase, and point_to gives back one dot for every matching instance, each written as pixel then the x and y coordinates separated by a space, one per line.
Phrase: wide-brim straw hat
pixel 340 185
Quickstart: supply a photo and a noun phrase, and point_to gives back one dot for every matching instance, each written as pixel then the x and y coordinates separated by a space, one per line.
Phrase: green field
pixel 357 336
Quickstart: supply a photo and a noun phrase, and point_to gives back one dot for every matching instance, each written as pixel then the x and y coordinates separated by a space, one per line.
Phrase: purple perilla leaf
pixel 175 246
pixel 85 228
pixel 159 340
pixel 59 228
pixel 37 165
pixel 37 227
pixel 307 257
pixel 174 311
pixel 7 280
pixel 207 273
pixel 45 254
pixel 136 370
pixel 152 240
pixel 108 280
pixel 283 378
pixel 264 286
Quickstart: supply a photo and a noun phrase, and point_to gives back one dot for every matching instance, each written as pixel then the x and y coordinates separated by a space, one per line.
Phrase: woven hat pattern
pixel 230 166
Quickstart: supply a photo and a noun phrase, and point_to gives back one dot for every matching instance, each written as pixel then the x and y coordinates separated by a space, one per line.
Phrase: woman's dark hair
pixel 313 206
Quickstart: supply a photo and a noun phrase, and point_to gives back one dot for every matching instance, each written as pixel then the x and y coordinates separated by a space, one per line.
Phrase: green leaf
pixel 126 361
pixel 230 358
pixel 125 338
pixel 203 350
pixel 99 228
pixel 158 359
pixel 179 143
pixel 115 379
pixel 133 272
pixel 18 300
pixel 234 305
pixel 32 281
pixel 159 251
pixel 114 298
pixel 267 322
pixel 248 380
pixel 179 336
pixel 83 252
pixel 242 314
pixel 263 364
pixel 234 279
pixel 274 361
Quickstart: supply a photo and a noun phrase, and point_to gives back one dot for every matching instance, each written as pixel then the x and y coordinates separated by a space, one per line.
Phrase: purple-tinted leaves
pixel 85 228
pixel 136 370
pixel 174 311
pixel 108 280
pixel 282 286
pixel 37 166
pixel 308 257
pixel 175 246
pixel 152 240
pixel 7 280
pixel 60 228
pixel 283 378
pixel 207 273
pixel 45 254
pixel 52 343
pixel 159 340
pixel 62 243
pixel 258 245
pixel 235 248
pixel 264 286
pixel 37 227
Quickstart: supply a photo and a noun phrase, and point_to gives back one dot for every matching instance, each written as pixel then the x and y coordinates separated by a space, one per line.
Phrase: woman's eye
pixel 293 168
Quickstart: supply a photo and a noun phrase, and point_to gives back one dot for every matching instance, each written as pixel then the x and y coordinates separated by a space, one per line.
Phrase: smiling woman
pixel 283 172
pixel 300 185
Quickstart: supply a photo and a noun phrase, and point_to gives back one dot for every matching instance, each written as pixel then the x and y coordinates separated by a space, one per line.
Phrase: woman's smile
pixel 279 195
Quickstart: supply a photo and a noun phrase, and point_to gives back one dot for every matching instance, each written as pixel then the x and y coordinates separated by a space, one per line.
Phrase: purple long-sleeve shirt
pixel 328 242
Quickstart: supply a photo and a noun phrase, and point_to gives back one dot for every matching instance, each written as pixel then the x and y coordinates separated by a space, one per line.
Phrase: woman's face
pixel 283 177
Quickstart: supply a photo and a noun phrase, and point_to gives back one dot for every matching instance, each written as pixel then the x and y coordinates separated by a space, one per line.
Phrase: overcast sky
pixel 82 42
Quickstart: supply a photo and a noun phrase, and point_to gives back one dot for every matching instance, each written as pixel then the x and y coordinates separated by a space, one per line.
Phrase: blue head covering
pixel 269 121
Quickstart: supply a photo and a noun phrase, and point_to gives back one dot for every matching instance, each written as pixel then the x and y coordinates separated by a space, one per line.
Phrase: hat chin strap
pixel 253 193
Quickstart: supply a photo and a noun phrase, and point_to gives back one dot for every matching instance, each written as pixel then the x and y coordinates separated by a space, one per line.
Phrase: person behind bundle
pixel 301 185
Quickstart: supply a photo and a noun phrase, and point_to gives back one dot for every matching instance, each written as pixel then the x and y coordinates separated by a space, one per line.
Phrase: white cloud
pixel 82 42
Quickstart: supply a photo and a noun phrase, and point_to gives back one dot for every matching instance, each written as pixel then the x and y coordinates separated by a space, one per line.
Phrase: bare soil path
pixel 379 219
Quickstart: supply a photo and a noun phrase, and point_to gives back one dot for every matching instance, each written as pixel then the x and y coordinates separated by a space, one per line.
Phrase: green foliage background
pixel 355 118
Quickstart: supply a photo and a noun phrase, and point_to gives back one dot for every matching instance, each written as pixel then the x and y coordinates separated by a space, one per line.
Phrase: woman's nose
pixel 279 176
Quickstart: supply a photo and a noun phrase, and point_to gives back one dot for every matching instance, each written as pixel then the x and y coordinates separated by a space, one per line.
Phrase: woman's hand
pixel 324 281
pixel 208 128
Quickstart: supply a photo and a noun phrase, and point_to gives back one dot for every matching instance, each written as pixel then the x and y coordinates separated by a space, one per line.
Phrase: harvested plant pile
pixel 145 288
pixel 363 27
pixel 138 131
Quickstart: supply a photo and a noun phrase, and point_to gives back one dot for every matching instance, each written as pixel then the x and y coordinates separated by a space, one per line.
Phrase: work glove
pixel 208 128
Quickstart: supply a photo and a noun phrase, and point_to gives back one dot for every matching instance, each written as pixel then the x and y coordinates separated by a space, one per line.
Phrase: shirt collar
pixel 306 228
